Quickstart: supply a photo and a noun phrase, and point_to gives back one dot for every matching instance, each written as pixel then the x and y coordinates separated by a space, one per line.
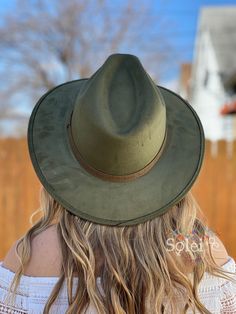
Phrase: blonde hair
pixel 140 272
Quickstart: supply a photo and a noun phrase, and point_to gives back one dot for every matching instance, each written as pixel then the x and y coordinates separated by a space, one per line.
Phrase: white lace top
pixel 217 294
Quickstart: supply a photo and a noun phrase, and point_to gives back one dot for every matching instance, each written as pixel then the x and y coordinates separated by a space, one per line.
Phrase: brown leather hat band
pixel 109 177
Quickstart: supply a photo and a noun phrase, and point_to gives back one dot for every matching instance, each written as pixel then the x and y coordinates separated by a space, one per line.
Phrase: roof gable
pixel 220 21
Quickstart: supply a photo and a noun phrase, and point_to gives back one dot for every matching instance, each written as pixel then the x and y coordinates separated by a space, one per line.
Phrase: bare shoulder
pixel 46 255
pixel 215 248
pixel 218 250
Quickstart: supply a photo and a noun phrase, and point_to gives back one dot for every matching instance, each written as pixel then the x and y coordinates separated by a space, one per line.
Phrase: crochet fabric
pixel 217 294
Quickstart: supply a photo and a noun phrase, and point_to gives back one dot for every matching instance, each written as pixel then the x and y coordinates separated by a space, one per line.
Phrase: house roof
pixel 220 21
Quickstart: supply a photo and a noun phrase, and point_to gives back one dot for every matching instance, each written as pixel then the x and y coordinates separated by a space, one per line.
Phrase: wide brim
pixel 113 203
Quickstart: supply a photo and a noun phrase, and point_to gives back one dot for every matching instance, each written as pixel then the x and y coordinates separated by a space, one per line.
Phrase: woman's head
pixel 138 265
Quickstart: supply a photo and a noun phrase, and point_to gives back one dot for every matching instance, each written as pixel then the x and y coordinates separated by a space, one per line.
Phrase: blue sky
pixel 182 18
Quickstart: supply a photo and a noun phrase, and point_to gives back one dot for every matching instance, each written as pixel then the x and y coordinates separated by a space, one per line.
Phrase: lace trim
pixel 11 309
pixel 228 298
pixel 217 294
pixel 228 305
pixel 18 292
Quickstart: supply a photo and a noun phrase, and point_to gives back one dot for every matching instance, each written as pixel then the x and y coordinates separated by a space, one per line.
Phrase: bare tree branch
pixel 44 43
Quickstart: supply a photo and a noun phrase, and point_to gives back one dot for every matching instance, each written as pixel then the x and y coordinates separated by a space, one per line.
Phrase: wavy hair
pixel 141 267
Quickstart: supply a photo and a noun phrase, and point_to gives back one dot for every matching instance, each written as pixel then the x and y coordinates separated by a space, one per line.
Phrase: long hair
pixel 142 268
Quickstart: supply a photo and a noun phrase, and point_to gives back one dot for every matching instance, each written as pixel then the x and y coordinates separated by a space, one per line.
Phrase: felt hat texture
pixel 115 149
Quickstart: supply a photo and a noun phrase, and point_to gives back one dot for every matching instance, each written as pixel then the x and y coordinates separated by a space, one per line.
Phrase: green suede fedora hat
pixel 115 149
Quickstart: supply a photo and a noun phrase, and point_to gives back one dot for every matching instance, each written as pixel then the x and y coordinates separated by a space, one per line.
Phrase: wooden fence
pixel 19 188
pixel 215 191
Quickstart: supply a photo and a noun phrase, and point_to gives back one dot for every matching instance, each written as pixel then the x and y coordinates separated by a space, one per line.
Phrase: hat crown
pixel 118 123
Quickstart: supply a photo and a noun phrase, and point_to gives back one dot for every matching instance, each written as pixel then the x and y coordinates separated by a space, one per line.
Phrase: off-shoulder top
pixel 217 294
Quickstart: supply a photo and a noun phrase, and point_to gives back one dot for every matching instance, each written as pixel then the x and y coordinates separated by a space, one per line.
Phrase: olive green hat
pixel 115 149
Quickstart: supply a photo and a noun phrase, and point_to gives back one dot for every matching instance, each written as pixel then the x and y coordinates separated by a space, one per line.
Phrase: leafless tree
pixel 44 43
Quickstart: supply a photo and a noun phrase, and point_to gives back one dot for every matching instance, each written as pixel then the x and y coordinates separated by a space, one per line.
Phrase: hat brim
pixel 113 203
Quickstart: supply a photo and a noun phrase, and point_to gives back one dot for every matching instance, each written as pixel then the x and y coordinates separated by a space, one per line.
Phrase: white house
pixel 213 79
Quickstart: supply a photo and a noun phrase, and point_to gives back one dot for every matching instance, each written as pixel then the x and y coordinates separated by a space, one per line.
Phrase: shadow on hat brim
pixel 113 203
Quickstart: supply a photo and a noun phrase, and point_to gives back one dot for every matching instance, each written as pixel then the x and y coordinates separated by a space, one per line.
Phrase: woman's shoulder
pixel 214 247
pixel 221 257
pixel 46 257
pixel 218 250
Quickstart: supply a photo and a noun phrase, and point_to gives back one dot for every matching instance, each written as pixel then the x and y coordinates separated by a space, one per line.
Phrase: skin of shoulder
pixel 45 259
pixel 218 251
pixel 46 255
